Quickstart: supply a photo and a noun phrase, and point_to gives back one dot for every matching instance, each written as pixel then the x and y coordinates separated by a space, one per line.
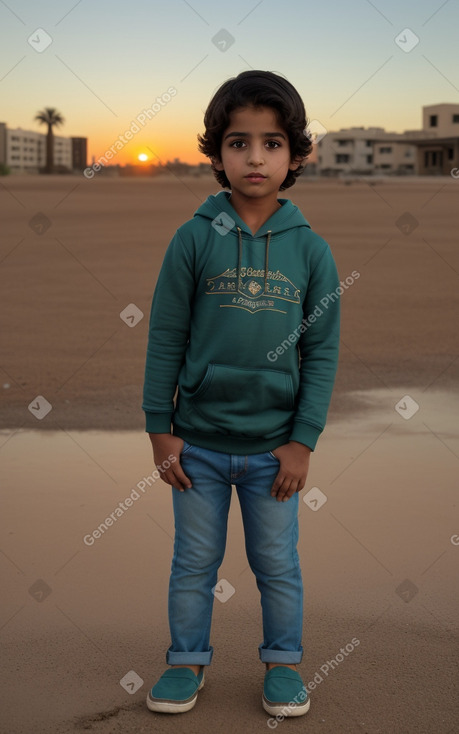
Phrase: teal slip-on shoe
pixel 176 691
pixel 284 692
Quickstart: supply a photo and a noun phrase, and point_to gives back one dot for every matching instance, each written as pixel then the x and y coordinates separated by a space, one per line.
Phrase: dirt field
pixel 66 279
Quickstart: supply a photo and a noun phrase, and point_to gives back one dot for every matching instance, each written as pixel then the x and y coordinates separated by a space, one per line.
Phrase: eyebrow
pixel 248 135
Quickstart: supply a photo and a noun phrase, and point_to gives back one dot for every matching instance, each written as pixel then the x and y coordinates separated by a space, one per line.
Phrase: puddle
pixel 411 409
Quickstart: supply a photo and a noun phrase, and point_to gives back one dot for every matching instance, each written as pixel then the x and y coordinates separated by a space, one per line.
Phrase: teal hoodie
pixel 246 329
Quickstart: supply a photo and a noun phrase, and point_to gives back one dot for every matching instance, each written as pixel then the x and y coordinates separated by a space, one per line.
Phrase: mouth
pixel 255 177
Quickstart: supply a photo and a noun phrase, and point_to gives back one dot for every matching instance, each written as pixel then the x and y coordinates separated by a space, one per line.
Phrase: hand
pixel 293 471
pixel 164 446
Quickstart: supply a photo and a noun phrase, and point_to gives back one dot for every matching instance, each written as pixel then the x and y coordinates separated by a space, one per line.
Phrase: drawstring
pixel 268 239
pixel 239 260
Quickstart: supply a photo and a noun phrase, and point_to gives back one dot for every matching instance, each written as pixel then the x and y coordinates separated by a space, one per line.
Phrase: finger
pixel 281 488
pixel 297 486
pixel 277 483
pixel 286 490
pixel 169 477
pixel 181 481
pixel 301 484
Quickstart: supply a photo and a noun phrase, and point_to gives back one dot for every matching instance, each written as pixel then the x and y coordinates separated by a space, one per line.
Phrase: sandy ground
pixel 379 556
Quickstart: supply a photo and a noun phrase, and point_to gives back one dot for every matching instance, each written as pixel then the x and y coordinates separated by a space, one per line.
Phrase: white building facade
pixel 24 151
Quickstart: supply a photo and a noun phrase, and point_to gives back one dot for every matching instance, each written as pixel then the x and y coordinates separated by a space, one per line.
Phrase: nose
pixel 256 155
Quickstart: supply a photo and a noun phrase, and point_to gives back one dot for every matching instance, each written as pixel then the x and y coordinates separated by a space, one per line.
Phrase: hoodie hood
pixel 225 220
pixel 288 216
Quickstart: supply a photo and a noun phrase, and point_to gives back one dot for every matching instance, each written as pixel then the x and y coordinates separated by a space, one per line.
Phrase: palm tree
pixel 51 117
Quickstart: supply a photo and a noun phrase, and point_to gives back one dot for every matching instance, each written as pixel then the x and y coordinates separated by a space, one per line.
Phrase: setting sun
pixel 142 157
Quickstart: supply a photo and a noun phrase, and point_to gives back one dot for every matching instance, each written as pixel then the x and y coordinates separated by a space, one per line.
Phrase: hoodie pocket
pixel 247 402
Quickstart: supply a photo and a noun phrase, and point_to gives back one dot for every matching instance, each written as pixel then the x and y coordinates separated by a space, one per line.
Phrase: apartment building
pixel 24 151
pixel 432 150
pixel 349 150
pixel 439 153
pixel 395 154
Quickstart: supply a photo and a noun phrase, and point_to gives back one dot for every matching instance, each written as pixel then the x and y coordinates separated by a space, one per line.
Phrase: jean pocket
pixel 186 447
pixel 270 453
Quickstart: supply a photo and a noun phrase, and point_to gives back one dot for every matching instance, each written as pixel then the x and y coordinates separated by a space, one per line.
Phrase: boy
pixel 237 327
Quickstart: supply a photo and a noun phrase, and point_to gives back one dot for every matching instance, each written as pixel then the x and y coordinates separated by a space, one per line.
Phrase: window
pixel 433 121
pixel 450 154
pixel 342 142
pixel 385 149
pixel 408 153
pixel 369 159
pixel 455 118
pixel 342 158
pixel 368 143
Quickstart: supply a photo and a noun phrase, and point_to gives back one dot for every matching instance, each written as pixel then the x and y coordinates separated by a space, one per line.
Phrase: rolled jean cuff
pixel 280 656
pixel 189 658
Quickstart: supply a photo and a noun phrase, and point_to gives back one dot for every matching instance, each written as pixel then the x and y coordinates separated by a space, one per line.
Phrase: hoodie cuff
pixel 305 433
pixel 158 422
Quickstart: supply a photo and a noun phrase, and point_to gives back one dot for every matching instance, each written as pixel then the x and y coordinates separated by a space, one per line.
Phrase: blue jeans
pixel 271 536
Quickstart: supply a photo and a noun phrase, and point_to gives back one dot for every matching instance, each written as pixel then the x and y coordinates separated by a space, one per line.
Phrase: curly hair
pixel 256 89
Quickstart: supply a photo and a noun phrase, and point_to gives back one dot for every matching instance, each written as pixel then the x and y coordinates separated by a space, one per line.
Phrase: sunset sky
pixel 102 63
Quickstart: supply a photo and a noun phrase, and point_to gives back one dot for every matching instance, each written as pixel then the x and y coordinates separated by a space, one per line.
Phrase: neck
pixel 254 212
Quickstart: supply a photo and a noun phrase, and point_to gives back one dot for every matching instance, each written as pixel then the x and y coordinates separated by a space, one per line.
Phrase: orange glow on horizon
pixel 98 145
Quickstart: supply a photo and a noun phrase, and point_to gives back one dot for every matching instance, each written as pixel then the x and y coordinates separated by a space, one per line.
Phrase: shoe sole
pixel 284 708
pixel 168 706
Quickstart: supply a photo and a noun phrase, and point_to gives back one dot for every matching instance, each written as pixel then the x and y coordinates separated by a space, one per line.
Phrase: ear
pixel 217 164
pixel 295 163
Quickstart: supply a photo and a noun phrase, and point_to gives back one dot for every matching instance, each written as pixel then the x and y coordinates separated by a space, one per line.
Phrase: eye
pixel 237 144
pixel 273 143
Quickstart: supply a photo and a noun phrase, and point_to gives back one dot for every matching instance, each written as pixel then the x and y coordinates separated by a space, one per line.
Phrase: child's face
pixel 252 143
